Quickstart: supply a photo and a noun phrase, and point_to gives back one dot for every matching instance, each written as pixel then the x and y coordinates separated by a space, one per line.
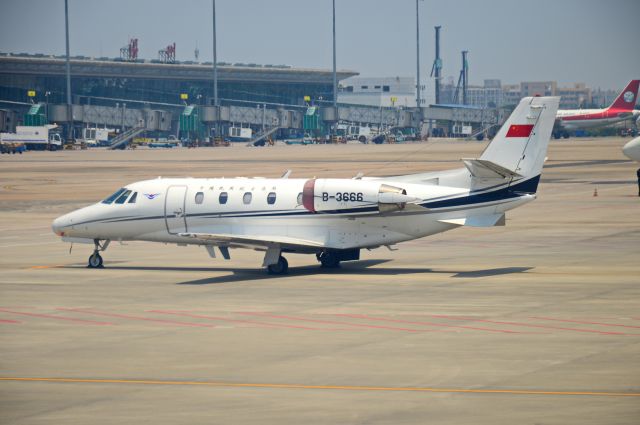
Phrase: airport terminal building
pixel 105 80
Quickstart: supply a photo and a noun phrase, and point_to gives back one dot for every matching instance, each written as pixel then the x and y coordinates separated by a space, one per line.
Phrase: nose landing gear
pixel 95 260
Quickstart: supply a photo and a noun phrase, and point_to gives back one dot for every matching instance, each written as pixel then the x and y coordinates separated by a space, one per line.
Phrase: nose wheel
pixel 95 260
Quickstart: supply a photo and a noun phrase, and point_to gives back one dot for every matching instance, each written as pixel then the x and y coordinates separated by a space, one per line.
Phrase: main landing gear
pixel 328 259
pixel 95 260
pixel 276 264
pixel 281 267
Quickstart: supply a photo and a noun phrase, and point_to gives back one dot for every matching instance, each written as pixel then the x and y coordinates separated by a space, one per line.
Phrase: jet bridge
pixel 268 116
pixel 119 116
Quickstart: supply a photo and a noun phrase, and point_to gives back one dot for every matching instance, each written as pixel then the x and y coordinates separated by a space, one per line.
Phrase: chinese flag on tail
pixel 520 130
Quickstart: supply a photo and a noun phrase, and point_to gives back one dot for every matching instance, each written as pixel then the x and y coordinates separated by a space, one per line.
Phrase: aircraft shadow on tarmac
pixel 353 268
pixel 362 267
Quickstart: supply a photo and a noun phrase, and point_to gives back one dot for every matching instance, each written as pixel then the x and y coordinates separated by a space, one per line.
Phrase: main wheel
pixel 329 260
pixel 95 261
pixel 281 267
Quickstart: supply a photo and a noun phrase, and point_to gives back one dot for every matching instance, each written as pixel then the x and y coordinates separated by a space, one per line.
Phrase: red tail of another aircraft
pixel 626 100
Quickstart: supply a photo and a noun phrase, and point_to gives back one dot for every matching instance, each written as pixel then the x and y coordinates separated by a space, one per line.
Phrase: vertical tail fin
pixel 626 100
pixel 521 144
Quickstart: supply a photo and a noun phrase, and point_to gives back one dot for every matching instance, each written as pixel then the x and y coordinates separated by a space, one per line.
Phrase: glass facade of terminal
pixel 107 90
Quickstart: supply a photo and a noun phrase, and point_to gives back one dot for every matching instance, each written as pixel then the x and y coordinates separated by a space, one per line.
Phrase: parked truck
pixel 34 138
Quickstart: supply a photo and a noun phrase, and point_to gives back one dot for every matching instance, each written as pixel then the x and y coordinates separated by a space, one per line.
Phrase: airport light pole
pixel 215 57
pixel 46 105
pixel 335 77
pixel 68 71
pixel 418 97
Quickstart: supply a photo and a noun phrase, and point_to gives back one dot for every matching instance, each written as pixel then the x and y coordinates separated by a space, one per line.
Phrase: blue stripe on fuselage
pixel 522 188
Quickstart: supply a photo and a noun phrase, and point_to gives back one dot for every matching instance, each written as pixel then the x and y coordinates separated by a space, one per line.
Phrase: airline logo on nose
pixel 520 130
pixel 151 196
pixel 628 97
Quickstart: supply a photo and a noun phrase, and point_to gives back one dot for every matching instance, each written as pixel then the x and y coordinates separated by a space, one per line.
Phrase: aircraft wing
pixel 253 241
pixel 484 220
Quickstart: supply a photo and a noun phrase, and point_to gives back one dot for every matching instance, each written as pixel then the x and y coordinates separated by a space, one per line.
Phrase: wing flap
pixel 252 241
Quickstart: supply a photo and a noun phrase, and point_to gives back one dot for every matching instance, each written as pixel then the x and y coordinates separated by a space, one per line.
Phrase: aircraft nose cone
pixel 632 149
pixel 59 224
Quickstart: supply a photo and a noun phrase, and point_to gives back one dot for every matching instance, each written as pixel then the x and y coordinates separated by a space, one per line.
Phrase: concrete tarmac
pixel 537 322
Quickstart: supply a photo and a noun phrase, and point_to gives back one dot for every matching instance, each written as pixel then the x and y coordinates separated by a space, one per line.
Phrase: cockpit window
pixel 111 198
pixel 122 198
pixel 132 200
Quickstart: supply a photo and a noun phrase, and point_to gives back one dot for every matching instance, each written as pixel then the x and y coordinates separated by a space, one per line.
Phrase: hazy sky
pixel 591 41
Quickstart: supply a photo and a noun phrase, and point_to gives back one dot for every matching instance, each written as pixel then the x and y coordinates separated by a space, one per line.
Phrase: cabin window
pixel 246 199
pixel 122 198
pixel 111 198
pixel 223 197
pixel 271 198
pixel 199 197
pixel 299 200
pixel 133 198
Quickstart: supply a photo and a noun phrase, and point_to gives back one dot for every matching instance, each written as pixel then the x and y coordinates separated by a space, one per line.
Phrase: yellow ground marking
pixel 52 266
pixel 321 387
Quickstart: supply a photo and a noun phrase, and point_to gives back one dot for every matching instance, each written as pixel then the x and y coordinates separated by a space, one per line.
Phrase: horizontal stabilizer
pixel 252 241
pixel 484 220
pixel 485 169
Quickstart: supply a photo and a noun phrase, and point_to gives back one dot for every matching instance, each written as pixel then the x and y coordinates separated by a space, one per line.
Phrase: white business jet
pixel 632 149
pixel 331 218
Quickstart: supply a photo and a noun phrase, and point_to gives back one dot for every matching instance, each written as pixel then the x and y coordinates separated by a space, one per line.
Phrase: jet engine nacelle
pixel 348 195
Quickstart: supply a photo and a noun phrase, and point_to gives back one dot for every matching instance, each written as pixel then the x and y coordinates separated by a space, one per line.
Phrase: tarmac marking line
pixel 319 387
pixel 52 266
pixel 253 322
pixel 530 325
pixel 9 321
pixel 365 317
pixel 277 316
pixel 30 244
pixel 51 316
pixel 584 322
pixel 126 316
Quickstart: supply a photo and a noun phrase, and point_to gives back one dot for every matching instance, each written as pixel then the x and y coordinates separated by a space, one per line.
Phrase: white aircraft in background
pixel 632 149
pixel 621 109
pixel 332 218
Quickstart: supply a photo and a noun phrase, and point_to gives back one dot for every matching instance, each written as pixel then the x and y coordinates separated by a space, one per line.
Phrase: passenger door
pixel 175 213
